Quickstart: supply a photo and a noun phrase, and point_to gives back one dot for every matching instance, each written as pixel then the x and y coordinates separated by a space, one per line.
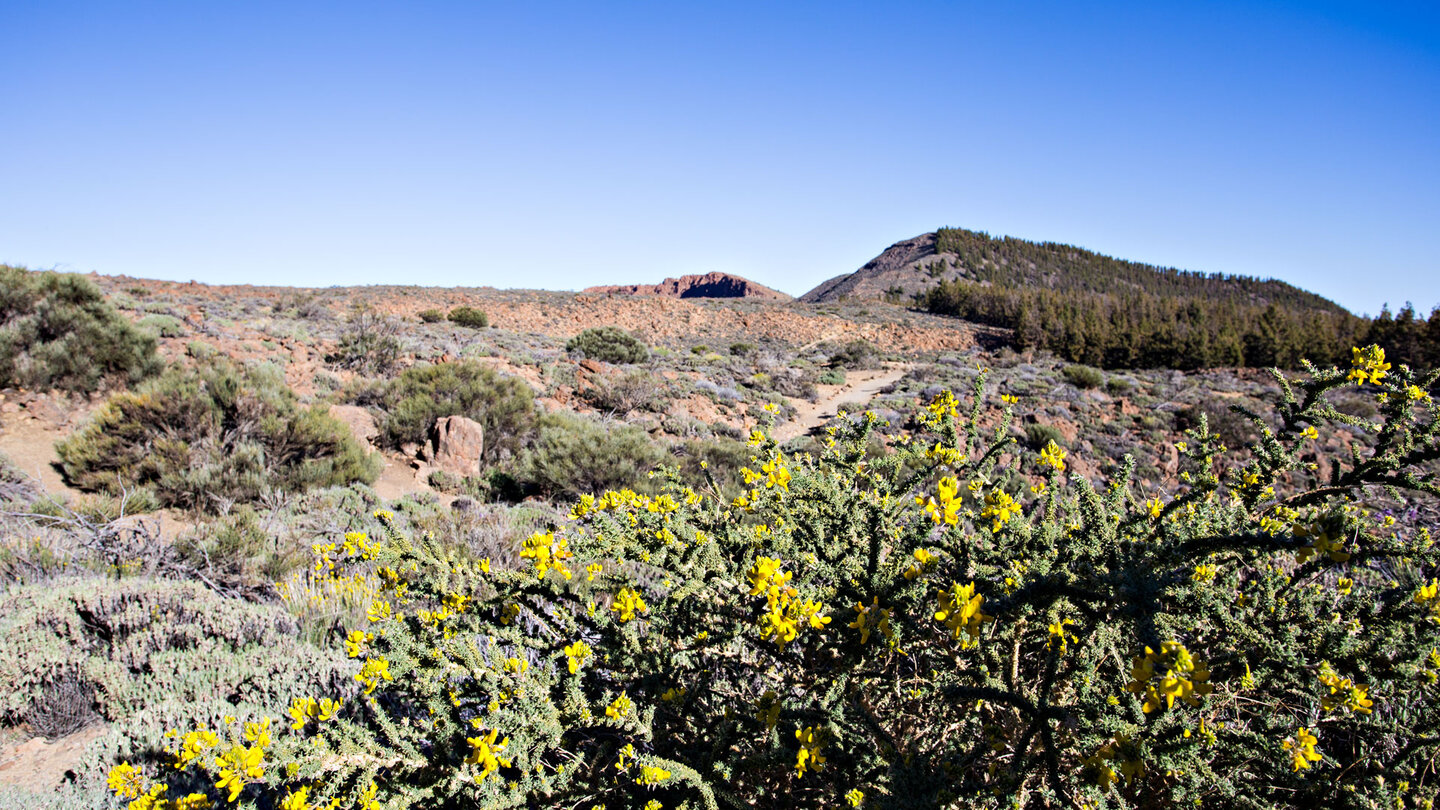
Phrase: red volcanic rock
pixel 710 285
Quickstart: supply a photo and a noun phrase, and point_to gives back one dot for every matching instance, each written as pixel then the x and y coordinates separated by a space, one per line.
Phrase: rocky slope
pixel 710 285
pixel 900 266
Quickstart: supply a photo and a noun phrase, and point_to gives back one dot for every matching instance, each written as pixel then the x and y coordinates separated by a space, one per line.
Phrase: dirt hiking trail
pixel 859 387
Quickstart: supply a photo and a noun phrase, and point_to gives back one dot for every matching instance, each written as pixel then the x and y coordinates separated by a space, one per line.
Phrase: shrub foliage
pixel 504 406
pixel 213 436
pixel 469 317
pixel 57 331
pixel 954 623
pixel 608 344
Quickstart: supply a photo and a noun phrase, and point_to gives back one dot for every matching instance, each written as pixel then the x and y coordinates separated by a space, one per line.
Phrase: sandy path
pixel 30 445
pixel 859 386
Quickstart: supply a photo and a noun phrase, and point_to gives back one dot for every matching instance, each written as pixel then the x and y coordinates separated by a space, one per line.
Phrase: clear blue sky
pixel 554 145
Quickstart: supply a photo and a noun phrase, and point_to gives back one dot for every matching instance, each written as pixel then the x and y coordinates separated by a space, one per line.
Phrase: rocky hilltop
pixel 900 266
pixel 710 285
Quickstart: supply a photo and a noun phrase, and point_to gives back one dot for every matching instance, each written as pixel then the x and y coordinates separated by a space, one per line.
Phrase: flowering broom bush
pixel 956 622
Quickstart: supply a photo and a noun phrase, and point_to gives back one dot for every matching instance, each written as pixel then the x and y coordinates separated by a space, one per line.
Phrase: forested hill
pixel 1090 308
pixel 956 254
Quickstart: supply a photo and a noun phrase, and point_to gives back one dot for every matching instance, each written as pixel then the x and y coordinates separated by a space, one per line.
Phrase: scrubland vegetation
pixel 1010 579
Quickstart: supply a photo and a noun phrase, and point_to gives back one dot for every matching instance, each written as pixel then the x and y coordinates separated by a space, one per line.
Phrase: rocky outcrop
pixel 360 421
pixel 455 445
pixel 710 285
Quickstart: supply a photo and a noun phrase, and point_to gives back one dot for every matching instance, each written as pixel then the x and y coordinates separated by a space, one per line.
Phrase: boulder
pixel 454 445
pixel 361 423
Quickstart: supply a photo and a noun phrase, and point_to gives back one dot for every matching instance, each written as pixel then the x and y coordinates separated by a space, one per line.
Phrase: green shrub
pixel 504 406
pixel 57 331
pixel 742 349
pixel 618 396
pixel 854 355
pixel 469 317
pixel 1038 436
pixel 903 633
pixel 369 343
pixel 207 437
pixel 165 326
pixel 1084 376
pixel 608 344
pixel 431 316
pixel 573 455
pixel 832 376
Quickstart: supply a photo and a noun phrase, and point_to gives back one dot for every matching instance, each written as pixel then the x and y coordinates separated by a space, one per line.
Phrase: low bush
pixel 369 343
pixel 856 354
pixel 57 331
pixel 1038 436
pixel 573 455
pixel 469 317
pixel 409 404
pixel 608 344
pixel 160 325
pixel 618 396
pixel 431 316
pixel 209 437
pixel 832 376
pixel 954 623
pixel 1083 376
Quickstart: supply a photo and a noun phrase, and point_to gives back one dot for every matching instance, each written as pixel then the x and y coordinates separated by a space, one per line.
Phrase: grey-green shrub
pixel 608 344
pixel 166 326
pixel 573 456
pixel 1084 376
pixel 504 406
pixel 469 317
pixel 57 331
pixel 431 316
pixel 1037 436
pixel 206 437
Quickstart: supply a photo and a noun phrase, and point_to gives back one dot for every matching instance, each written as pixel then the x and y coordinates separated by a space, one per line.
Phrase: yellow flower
pixel 237 767
pixel 485 752
pixel 1053 455
pixel 620 707
pixel 1181 676
pixel 1154 506
pixel 651 775
pixel 871 616
pixel 356 641
pixel 944 505
pixel 1368 364
pixel 373 673
pixel 810 757
pixel 548 551
pixel 1310 432
pixel 627 602
pixel 924 564
pixel 855 797
pixel 1204 573
pixel 576 653
pixel 1000 507
pixel 1060 637
pixel 959 609
pixel 126 781
pixel 297 800
pixel 1302 749
pixel 1343 693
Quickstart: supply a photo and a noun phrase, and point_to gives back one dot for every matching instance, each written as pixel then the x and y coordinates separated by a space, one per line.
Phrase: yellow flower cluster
pixel 1324 536
pixel 1060 637
pixel 485 751
pixel 627 603
pixel 1368 364
pixel 959 609
pixel 1122 751
pixel 1302 749
pixel 651 775
pixel 1181 676
pixel 1428 596
pixel 944 505
pixel 810 756
pixel 999 507
pixel 373 673
pixel 620 707
pixel 773 473
pixel 872 616
pixel 924 563
pixel 1343 693
pixel 1053 455
pixel 942 405
pixel 785 612
pixel 304 709
pixel 576 654
pixel 548 551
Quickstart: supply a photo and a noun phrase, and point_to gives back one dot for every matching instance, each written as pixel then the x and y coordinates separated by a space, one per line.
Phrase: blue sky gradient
pixel 559 145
